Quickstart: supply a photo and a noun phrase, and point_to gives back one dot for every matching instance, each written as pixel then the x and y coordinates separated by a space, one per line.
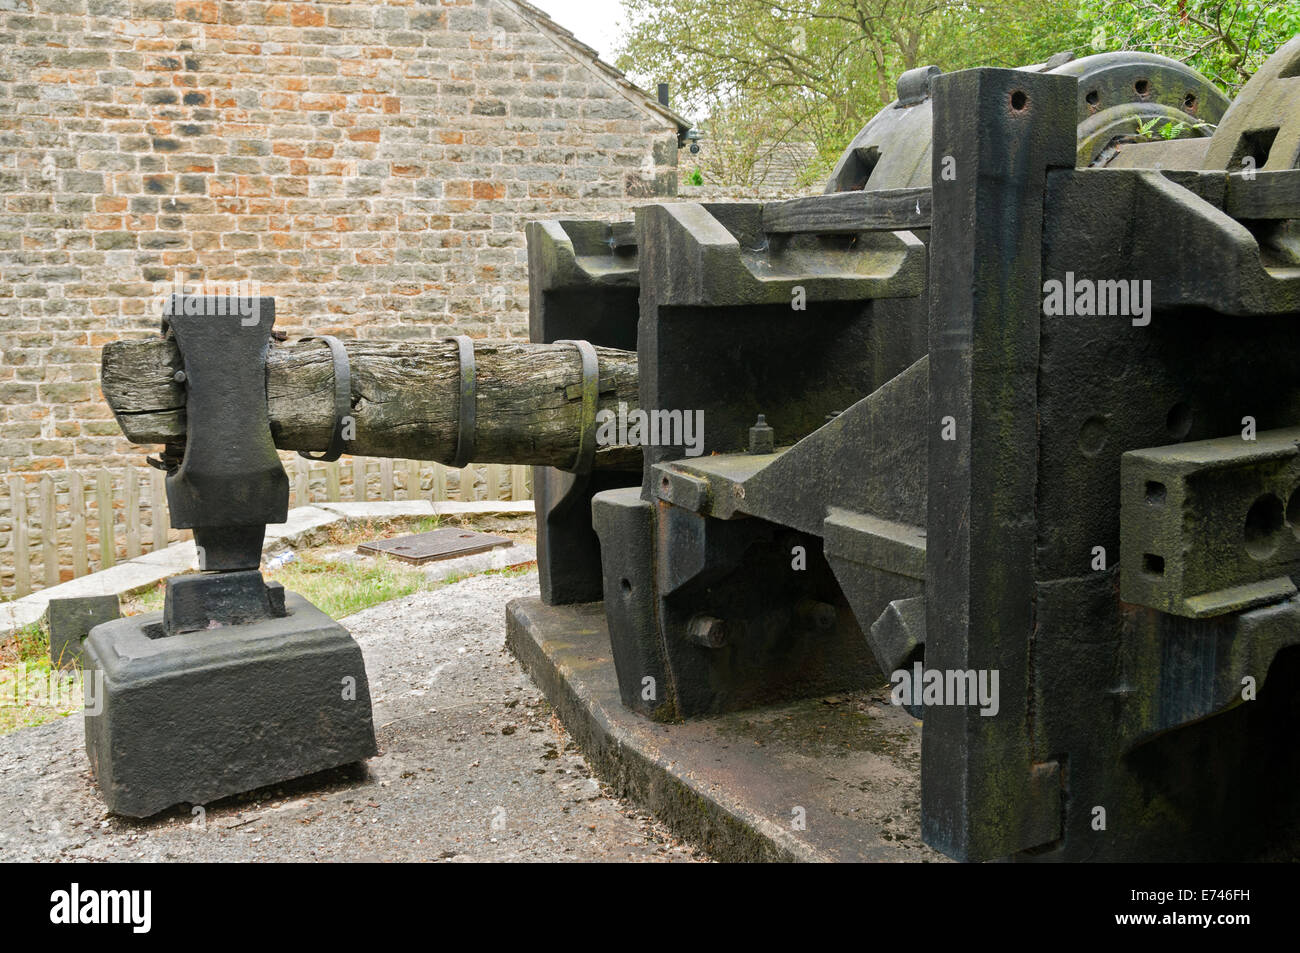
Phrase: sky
pixel 598 23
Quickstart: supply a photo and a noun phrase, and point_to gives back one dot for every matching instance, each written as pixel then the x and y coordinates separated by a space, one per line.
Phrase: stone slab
pixel 380 510
pixel 406 508
pixel 20 614
pixel 846 766
pixel 122 579
pixel 303 527
pixel 516 555
pixel 69 621
pixel 178 557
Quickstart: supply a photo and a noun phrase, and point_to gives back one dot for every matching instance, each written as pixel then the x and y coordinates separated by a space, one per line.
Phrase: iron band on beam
pixel 342 399
pixel 590 396
pixel 467 420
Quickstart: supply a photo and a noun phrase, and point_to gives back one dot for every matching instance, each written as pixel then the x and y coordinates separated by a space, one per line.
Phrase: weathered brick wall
pixel 371 164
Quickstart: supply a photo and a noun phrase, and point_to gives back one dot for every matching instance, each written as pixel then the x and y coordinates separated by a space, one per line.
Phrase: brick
pixel 371 161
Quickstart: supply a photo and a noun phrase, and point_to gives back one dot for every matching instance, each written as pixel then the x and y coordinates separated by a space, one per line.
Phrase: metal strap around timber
pixel 342 398
pixel 466 410
pixel 590 397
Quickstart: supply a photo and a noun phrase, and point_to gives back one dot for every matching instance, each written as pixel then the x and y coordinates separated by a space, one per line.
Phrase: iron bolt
pixel 762 439
pixel 708 631
pixel 820 614
pixel 179 377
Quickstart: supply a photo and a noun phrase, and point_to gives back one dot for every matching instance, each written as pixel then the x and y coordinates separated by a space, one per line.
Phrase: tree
pixel 817 70
pixel 1226 40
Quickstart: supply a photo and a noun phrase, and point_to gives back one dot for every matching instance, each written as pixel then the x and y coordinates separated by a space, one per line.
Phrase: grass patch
pixel 32 691
pixel 510 572
pixel 339 587
pixel 151 600
pixel 29 644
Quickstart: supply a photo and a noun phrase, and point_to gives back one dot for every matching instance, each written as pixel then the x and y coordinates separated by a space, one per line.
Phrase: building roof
pixel 584 53
pixel 786 162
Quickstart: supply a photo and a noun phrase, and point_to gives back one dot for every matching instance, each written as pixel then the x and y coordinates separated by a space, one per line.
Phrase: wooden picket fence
pixel 104 516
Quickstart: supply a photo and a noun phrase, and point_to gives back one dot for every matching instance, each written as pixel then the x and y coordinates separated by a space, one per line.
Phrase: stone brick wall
pixel 371 164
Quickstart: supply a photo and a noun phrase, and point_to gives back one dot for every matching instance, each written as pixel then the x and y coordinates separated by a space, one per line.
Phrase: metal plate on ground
pixel 418 548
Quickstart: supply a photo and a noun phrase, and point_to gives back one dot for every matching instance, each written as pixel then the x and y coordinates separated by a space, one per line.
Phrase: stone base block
pixel 70 621
pixel 190 718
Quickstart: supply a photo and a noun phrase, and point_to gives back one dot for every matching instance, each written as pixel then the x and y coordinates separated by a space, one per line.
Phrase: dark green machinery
pixel 1008 419
pixel 1029 366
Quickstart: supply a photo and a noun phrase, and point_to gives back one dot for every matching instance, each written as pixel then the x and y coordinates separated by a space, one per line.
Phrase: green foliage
pixel 695 178
pixel 1226 40
pixel 31 645
pixel 24 665
pixel 1161 127
pixel 151 600
pixel 757 73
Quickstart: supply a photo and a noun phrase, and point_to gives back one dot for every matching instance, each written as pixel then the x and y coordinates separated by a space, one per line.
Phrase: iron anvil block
pixel 1211 526
pixel 193 717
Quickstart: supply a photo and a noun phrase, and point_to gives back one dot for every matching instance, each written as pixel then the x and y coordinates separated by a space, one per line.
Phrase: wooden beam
pixel 886 210
pixel 405 398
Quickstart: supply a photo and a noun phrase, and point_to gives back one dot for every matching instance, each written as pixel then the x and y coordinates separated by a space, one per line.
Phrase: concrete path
pixel 307 525
pixel 472 767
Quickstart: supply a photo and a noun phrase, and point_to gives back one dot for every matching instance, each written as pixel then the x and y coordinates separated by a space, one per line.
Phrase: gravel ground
pixel 472 767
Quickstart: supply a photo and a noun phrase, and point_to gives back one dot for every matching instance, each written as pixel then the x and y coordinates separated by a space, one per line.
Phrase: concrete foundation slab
pixel 304 527
pixel 21 613
pixel 785 782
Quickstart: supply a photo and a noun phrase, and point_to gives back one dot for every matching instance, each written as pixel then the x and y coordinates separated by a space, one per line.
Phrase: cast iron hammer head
pixel 230 483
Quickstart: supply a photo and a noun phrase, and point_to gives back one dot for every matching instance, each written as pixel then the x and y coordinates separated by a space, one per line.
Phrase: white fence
pixel 99 517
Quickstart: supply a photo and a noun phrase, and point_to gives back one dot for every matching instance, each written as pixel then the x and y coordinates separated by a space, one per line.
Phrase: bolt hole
pixel 1263 526
pixel 665 483
pixel 1179 421
pixel 1093 97
pixel 1142 87
pixel 1156 493
pixel 626 586
pixel 1153 565
pixel 1019 101
pixel 1189 103
pixel 1256 145
pixel 1092 436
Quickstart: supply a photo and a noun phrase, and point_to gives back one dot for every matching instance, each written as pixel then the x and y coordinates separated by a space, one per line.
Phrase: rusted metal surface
pixel 446 543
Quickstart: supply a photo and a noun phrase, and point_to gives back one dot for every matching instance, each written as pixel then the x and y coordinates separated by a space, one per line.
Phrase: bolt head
pixel 708 631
